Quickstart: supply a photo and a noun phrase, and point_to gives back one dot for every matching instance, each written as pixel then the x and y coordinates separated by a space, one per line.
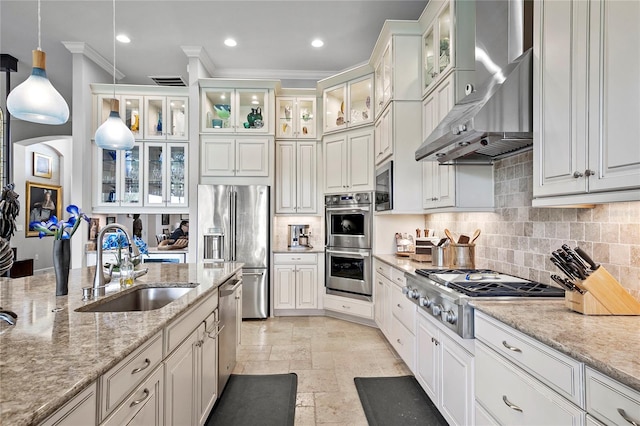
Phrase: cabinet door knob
pixel 589 172
pixel 577 174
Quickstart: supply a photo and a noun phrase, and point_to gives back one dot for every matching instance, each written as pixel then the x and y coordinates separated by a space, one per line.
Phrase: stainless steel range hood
pixel 496 120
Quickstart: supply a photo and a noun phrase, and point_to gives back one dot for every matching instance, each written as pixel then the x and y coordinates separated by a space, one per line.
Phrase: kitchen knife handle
pixel 584 256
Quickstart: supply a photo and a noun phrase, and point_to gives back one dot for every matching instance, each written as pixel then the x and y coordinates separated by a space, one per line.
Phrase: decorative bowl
pixel 222 110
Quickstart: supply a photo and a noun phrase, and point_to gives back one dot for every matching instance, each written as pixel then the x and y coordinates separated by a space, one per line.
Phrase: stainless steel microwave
pixel 384 187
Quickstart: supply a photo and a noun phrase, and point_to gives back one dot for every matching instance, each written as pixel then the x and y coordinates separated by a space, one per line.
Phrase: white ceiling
pixel 273 36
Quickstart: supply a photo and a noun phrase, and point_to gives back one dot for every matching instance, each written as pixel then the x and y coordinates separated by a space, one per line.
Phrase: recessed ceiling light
pixel 317 43
pixel 230 42
pixel 122 38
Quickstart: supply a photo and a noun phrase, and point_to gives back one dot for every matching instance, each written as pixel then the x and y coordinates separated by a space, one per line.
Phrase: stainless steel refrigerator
pixel 233 225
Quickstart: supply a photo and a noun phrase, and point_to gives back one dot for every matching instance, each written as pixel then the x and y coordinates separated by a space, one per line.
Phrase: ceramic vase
pixel 61 262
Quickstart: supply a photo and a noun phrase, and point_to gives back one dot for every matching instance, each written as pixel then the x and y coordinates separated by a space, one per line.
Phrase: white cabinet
pixel 348 306
pixel 583 113
pixel 295 281
pixel 610 401
pixel 383 130
pixel 382 303
pixel 235 110
pixel 166 117
pixel 448 44
pixel 296 177
pixel 445 370
pixel 165 174
pixel 348 104
pixel 383 77
pixel 296 117
pixel 403 325
pixel 348 161
pixel 81 410
pixel 131 111
pixel 119 177
pixel 234 157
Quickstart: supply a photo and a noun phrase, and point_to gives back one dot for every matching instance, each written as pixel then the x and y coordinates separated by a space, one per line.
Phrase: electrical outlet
pixel 36 257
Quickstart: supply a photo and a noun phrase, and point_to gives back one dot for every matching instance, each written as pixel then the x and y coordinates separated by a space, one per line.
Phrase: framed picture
pixel 94 228
pixel 165 219
pixel 41 165
pixel 111 219
pixel 43 202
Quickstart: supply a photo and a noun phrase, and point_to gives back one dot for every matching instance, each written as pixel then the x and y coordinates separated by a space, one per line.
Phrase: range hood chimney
pixel 496 120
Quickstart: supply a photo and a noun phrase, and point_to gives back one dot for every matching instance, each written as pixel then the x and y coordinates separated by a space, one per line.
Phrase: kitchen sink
pixel 142 299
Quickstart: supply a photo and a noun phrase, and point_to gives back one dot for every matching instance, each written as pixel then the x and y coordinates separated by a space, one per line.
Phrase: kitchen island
pixel 53 352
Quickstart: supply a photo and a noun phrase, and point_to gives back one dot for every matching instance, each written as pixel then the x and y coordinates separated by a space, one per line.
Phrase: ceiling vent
pixel 163 80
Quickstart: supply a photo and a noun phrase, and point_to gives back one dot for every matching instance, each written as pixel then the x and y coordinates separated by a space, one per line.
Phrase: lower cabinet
pixel 77 411
pixel 403 325
pixel 295 281
pixel 382 303
pixel 445 370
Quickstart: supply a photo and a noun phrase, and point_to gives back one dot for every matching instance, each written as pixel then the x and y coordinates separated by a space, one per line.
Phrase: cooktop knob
pixel 436 309
pixel 366 197
pixel 449 316
pixel 426 302
pixel 406 290
pixel 357 198
pixel 414 294
pixel 335 199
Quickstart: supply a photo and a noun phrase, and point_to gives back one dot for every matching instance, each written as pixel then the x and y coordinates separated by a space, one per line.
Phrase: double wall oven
pixel 349 225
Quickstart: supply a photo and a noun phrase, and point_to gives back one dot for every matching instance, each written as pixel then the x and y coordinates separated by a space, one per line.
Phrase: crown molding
pixel 201 54
pixel 91 53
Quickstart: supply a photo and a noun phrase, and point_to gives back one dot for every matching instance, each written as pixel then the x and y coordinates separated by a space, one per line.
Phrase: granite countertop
pixel 609 344
pixel 286 249
pixel 47 357
pixel 151 250
pixel 403 263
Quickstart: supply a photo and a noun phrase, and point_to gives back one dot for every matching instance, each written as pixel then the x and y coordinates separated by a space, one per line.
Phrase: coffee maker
pixel 298 236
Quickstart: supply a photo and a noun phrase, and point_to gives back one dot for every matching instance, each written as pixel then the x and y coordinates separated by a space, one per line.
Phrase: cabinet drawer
pixel 562 373
pixel 348 306
pixel 404 342
pixel 179 330
pixel 397 276
pixel 610 401
pixel 295 258
pixel 513 397
pixel 403 309
pixel 145 404
pixel 383 269
pixel 81 410
pixel 116 383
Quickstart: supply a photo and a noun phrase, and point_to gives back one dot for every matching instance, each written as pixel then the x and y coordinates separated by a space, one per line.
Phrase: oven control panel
pixel 356 198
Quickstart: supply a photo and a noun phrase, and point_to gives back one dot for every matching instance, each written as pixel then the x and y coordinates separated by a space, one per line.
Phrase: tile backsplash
pixel 519 239
pixel 281 230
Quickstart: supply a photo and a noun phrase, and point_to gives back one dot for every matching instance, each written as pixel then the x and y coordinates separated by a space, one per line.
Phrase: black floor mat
pixel 256 400
pixel 396 401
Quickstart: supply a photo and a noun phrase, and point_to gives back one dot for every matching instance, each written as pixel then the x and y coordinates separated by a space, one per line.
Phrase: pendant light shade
pixel 113 133
pixel 36 99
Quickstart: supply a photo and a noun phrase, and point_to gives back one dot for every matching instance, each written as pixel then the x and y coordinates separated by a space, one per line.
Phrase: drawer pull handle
pixel 627 418
pixel 217 332
pixel 510 405
pixel 138 401
pixel 147 363
pixel 399 341
pixel 346 307
pixel 511 348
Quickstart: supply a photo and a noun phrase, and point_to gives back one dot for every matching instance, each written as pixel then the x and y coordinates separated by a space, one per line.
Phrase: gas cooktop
pixel 488 283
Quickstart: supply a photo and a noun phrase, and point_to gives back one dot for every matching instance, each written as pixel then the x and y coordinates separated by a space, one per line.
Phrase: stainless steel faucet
pixel 99 279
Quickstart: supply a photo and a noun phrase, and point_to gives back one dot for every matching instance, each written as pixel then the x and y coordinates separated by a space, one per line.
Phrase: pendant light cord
pixel 114 49
pixel 39 21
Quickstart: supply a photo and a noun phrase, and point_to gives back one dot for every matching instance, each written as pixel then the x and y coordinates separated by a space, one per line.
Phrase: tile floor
pixel 326 354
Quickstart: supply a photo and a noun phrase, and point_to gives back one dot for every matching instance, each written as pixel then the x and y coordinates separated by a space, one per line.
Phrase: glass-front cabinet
pixel 384 78
pixel 296 117
pixel 437 49
pixel 166 117
pixel 119 177
pixel 131 107
pixel 348 104
pixel 165 174
pixel 227 110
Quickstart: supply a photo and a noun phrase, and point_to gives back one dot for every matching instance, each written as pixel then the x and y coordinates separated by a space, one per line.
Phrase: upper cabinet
pixel 448 44
pixel 227 156
pixel 348 104
pixel 348 162
pixel 131 109
pixel 235 110
pixel 119 177
pixel 585 115
pixel 165 174
pixel 383 76
pixel 166 117
pixel 296 117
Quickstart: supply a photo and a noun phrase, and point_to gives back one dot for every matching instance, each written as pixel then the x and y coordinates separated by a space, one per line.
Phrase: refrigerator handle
pixel 234 197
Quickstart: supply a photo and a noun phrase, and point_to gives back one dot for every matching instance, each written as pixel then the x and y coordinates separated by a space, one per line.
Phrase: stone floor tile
pixel 300 364
pixel 305 399
pixel 305 416
pixel 316 381
pixel 290 352
pixel 322 360
pixel 338 407
pixel 266 367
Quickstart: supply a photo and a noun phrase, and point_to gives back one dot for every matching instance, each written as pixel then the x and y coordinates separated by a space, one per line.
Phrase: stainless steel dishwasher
pixel 227 337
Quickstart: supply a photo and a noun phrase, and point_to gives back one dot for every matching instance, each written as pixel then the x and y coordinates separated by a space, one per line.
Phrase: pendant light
pixel 36 99
pixel 113 133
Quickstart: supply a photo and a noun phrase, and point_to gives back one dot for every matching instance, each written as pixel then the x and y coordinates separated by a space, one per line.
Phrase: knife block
pixel 603 296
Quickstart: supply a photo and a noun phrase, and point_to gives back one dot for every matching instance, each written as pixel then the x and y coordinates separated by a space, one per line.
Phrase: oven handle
pixel 343 209
pixel 350 253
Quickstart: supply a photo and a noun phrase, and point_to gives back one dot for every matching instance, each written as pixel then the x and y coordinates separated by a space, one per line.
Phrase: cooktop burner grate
pixel 502 289
pixel 428 272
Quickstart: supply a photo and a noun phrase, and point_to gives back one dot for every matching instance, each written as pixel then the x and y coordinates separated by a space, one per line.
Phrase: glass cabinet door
pixel 444 38
pixel 108 171
pixel 131 172
pixel 154 174
pixel 252 111
pixel 306 118
pixel 387 72
pixel 131 114
pixel 177 154
pixel 217 110
pixel 379 76
pixel 177 113
pixel 155 117
pixel 285 114
pixel 360 92
pixel 334 108
pixel 428 57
